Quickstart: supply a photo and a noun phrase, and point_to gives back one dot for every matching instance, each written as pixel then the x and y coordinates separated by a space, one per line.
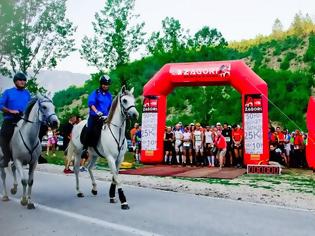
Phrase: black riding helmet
pixel 105 79
pixel 19 76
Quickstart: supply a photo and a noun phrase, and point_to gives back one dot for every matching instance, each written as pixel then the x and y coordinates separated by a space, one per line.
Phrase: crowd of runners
pixel 222 145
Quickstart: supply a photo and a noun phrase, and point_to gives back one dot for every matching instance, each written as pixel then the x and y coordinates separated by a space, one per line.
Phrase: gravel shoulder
pixel 294 189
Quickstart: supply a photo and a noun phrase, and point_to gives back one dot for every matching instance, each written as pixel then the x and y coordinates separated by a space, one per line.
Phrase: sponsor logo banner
pixel 253 103
pixel 150 104
pixel 205 70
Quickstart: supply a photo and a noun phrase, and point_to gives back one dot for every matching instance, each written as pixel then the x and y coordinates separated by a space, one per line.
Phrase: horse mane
pixel 112 109
pixel 114 105
pixel 29 107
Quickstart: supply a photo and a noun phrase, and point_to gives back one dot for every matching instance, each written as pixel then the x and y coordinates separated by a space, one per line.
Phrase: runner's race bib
pixel 186 144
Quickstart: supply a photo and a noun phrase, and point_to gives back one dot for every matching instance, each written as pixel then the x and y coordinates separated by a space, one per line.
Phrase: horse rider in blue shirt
pixel 99 103
pixel 13 103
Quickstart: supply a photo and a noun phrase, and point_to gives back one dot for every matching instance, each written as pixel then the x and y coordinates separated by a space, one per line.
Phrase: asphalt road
pixel 152 212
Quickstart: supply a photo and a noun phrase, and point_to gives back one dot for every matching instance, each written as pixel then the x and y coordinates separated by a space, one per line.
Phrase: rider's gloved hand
pixel 99 113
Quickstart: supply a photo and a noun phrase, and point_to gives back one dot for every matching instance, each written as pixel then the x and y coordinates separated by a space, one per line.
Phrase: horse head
pixel 47 111
pixel 127 103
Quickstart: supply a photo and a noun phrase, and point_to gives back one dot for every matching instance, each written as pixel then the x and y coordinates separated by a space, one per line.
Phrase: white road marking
pixel 91 220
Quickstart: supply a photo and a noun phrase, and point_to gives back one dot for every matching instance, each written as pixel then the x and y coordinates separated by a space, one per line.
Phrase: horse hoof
pixel 94 192
pixel 112 200
pixel 80 195
pixel 13 191
pixel 24 201
pixel 30 206
pixel 5 198
pixel 125 207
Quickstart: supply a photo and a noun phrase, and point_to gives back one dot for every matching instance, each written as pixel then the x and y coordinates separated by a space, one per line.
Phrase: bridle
pixel 45 119
pixel 124 110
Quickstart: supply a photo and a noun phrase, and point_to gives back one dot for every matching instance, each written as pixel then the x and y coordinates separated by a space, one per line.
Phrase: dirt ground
pixel 294 188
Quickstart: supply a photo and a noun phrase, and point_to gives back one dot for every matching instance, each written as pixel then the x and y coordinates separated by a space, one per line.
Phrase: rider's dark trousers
pixel 6 133
pixel 92 125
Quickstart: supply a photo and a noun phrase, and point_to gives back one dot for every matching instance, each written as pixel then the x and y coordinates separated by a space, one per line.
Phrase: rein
pixel 30 151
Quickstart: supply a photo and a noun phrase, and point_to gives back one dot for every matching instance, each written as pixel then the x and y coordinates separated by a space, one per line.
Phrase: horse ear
pixel 123 89
pixel 49 95
pixel 131 90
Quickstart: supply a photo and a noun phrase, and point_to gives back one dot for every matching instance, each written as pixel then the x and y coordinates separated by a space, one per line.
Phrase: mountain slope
pixel 52 80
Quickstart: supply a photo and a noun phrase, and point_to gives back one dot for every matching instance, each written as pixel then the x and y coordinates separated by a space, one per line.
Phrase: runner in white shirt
pixel 209 146
pixel 198 144
pixel 178 142
pixel 187 138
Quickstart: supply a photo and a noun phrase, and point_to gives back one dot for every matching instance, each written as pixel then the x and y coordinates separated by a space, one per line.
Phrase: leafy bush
pixel 310 52
pixel 286 61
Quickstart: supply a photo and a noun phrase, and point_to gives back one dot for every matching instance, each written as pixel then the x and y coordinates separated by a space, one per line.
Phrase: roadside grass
pixel 294 180
pixel 100 164
pixel 210 181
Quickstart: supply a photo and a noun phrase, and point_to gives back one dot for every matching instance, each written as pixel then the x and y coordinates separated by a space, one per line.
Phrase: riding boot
pixel 5 153
pixel 86 144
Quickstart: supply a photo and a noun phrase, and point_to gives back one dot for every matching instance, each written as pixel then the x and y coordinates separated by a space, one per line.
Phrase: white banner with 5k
pixel 253 127
pixel 149 131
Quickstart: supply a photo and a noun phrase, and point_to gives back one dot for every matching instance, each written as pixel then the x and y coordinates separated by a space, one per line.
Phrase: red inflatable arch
pixel 235 73
pixel 310 121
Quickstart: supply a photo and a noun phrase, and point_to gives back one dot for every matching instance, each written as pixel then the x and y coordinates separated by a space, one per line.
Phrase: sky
pixel 236 20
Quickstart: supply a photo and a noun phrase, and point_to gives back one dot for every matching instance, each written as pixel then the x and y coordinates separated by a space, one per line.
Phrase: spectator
pixel 221 146
pixel 209 145
pixel 287 146
pixel 187 139
pixel 133 137
pixel 227 133
pixel 51 141
pixel 280 138
pixel 66 133
pixel 298 149
pixel 78 120
pixel 237 138
pixel 138 144
pixel 168 145
pixel 178 142
pixel 198 140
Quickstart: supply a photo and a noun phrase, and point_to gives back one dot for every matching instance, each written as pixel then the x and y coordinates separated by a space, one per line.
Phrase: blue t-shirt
pixel 138 136
pixel 101 100
pixel 14 99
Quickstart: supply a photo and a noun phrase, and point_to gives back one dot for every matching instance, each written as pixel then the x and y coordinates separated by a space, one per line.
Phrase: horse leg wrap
pixel 121 194
pixel 30 183
pixel 112 190
pixel 24 182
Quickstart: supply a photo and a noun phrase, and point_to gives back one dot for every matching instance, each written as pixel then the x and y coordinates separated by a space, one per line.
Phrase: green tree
pixel 116 36
pixel 209 37
pixel 6 16
pixel 172 38
pixel 35 35
pixel 277 28
pixel 302 25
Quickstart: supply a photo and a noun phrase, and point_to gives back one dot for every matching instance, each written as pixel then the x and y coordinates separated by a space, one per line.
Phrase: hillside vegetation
pixel 284 59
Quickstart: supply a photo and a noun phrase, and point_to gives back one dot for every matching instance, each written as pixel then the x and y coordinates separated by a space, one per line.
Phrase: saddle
pixel 90 139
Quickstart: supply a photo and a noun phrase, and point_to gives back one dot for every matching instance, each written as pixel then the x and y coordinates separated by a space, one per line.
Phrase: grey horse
pixel 25 145
pixel 112 144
